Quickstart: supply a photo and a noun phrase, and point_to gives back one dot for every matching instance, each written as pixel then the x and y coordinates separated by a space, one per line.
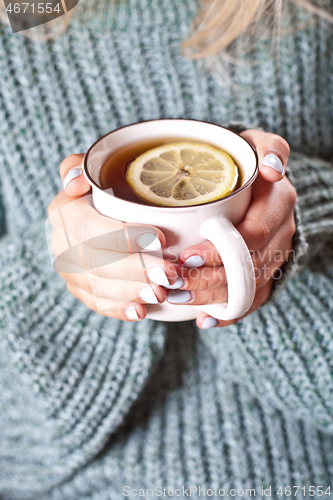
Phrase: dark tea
pixel 113 170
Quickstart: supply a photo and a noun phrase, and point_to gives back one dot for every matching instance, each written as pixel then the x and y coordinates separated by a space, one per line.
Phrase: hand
pixel 104 262
pixel 268 229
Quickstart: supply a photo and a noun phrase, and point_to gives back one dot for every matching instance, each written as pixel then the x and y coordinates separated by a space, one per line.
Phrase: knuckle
pixel 292 226
pixel 130 268
pixel 210 296
pixel 262 234
pixel 131 272
pixel 83 229
pixel 206 284
pixel 219 278
pixel 200 281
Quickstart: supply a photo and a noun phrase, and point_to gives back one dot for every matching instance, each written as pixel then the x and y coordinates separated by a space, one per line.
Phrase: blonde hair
pixel 215 27
pixel 220 22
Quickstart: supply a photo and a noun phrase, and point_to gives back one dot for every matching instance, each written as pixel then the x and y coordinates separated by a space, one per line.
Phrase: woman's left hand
pixel 268 229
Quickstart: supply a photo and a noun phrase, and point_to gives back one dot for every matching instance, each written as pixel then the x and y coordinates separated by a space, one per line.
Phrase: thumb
pixel 273 152
pixel 71 173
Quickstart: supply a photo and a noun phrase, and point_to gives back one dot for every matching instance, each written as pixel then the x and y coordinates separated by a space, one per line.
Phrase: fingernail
pixel 209 322
pixel 72 174
pixel 158 276
pixel 273 161
pixel 148 295
pixel 179 296
pixel 178 284
pixel 149 241
pixel 194 261
pixel 131 313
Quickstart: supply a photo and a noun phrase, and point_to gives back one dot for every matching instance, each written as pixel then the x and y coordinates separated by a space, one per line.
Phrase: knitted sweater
pixel 96 408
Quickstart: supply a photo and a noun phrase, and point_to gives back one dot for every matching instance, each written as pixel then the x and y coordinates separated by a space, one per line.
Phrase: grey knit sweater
pixel 90 405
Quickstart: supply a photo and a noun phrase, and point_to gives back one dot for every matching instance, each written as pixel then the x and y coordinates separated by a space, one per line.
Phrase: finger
pixel 119 290
pixel 203 254
pixel 271 205
pixel 263 218
pixel 269 260
pixel 202 278
pixel 205 321
pixel 113 265
pixel 266 262
pixel 273 152
pixel 198 297
pixel 129 311
pixel 82 223
pixel 71 173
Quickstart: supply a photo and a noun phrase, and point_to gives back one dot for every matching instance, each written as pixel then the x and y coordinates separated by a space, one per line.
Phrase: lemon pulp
pixel 182 174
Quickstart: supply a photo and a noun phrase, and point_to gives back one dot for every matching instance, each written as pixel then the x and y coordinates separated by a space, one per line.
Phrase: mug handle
pixel 238 266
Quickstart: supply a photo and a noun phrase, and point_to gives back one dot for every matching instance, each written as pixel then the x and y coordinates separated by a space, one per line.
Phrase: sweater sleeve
pixel 283 352
pixel 80 371
pixel 313 181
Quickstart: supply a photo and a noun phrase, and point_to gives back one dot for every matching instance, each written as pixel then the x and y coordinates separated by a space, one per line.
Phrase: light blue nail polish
pixel 72 174
pixel 131 313
pixel 150 241
pixel 194 261
pixel 273 161
pixel 209 322
pixel 178 284
pixel 179 296
pixel 157 275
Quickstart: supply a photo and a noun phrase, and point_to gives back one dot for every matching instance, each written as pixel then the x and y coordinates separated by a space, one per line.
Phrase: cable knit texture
pixel 89 404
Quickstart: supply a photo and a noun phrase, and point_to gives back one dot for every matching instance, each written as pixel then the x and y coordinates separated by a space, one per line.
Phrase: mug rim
pixel 234 193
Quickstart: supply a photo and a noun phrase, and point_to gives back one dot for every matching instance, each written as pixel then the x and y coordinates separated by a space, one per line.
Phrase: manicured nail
pixel 209 322
pixel 194 261
pixel 131 313
pixel 148 295
pixel 273 161
pixel 179 296
pixel 149 241
pixel 158 276
pixel 178 284
pixel 72 174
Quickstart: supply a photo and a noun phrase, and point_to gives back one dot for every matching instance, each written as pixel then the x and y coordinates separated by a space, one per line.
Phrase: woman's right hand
pixel 105 263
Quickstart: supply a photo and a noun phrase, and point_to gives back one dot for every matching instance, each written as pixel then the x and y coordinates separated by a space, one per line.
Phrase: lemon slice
pixel 182 174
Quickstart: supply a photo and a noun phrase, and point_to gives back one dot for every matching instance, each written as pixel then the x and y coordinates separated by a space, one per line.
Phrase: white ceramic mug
pixel 187 226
